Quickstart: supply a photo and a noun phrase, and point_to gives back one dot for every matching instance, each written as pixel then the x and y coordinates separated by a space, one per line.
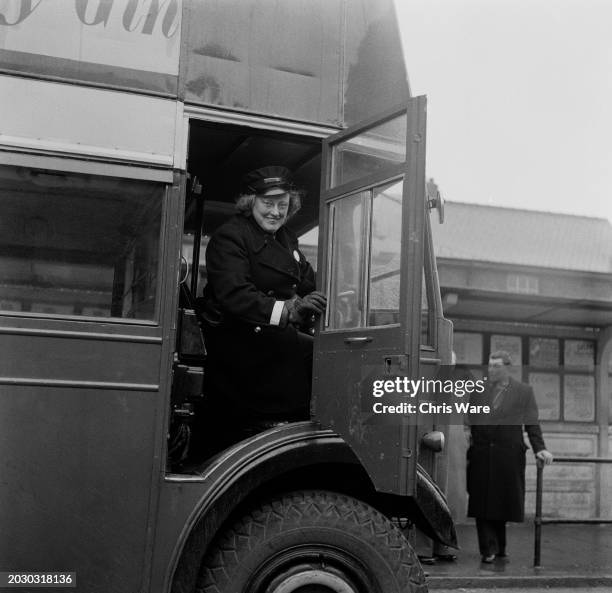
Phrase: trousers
pixel 491 537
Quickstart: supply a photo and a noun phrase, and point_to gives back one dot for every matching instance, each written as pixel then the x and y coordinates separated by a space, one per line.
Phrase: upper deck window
pixel 78 245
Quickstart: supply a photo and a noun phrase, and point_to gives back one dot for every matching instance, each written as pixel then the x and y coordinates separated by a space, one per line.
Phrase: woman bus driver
pixel 259 297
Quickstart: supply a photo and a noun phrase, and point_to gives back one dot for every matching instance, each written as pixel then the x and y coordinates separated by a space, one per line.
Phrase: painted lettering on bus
pixel 26 8
pixel 98 12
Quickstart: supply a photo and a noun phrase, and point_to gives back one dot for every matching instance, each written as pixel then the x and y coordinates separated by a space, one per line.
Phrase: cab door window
pixel 370 151
pixel 385 254
pixel 348 240
pixel 365 239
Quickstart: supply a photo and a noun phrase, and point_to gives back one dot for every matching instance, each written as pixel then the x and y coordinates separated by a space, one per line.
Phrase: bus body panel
pixel 374 74
pixel 280 59
pixel 87 122
pixel 117 43
pixel 330 62
pixel 77 437
pixel 326 62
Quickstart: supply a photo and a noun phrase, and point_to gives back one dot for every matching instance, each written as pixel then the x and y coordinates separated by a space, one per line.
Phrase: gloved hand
pixel 299 310
pixel 318 299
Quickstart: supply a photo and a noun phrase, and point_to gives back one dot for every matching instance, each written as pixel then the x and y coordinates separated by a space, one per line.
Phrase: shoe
pixel 429 560
pixel 445 557
pixel 488 559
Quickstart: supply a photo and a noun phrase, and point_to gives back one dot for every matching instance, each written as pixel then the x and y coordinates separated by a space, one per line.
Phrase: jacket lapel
pixel 275 253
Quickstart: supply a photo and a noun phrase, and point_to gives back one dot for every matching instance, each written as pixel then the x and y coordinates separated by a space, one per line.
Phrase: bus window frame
pixel 117 171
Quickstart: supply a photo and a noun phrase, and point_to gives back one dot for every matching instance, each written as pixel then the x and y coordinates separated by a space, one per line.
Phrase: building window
pixel 561 371
pixel 522 284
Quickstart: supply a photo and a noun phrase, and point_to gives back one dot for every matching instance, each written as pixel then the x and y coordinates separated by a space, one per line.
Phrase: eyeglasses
pixel 270 204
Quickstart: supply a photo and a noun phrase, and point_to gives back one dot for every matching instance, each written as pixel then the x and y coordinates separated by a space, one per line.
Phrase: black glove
pixel 318 300
pixel 299 310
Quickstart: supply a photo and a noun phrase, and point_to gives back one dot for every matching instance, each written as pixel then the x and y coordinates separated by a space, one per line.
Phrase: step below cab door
pixel 370 265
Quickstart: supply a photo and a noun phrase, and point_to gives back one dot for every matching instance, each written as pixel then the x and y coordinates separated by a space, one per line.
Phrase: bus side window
pixel 79 244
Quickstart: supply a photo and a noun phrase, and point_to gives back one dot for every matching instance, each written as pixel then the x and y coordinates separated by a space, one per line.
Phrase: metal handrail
pixel 539 521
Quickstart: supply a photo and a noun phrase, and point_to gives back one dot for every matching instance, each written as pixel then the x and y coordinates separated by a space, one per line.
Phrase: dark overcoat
pixel 256 368
pixel 496 456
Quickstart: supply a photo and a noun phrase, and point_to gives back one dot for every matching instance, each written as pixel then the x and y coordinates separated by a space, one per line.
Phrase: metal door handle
pixel 435 361
pixel 358 340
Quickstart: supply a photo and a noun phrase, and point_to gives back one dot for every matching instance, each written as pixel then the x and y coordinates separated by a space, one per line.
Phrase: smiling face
pixel 270 212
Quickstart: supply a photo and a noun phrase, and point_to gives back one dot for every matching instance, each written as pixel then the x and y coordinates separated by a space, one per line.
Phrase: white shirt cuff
pixel 277 311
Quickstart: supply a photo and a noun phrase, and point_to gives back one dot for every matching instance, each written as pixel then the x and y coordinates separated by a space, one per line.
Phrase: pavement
pixel 543 589
pixel 571 556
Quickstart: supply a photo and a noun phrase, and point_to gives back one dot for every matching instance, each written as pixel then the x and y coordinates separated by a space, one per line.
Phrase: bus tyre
pixel 315 541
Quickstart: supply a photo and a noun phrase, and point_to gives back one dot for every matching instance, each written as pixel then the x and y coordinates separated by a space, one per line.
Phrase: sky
pixel 519 100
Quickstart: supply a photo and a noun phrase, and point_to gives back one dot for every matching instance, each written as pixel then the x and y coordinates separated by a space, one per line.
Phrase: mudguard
pixel 429 511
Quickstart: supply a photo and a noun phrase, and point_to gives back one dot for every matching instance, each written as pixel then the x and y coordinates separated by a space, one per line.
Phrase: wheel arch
pixel 279 459
pixel 291 457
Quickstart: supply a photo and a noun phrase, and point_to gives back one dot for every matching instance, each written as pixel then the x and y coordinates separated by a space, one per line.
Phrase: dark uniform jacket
pixel 496 457
pixel 254 365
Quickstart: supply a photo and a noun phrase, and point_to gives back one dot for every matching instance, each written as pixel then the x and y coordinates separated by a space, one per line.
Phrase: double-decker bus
pixel 125 125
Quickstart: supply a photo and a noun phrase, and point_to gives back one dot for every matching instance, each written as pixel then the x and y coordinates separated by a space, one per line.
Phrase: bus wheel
pixel 312 542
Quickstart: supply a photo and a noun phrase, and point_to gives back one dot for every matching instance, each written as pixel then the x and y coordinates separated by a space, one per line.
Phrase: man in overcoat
pixel 496 455
pixel 259 297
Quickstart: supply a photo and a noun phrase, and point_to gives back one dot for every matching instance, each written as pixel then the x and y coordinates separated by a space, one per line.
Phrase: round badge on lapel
pixel 296 256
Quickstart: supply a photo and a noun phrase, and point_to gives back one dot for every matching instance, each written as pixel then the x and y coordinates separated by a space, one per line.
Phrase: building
pixel 538 284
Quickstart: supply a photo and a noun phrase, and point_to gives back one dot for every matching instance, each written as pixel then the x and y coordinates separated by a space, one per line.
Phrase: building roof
pixel 478 232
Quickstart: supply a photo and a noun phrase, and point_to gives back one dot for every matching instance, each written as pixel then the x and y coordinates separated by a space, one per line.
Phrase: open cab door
pixel 371 247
